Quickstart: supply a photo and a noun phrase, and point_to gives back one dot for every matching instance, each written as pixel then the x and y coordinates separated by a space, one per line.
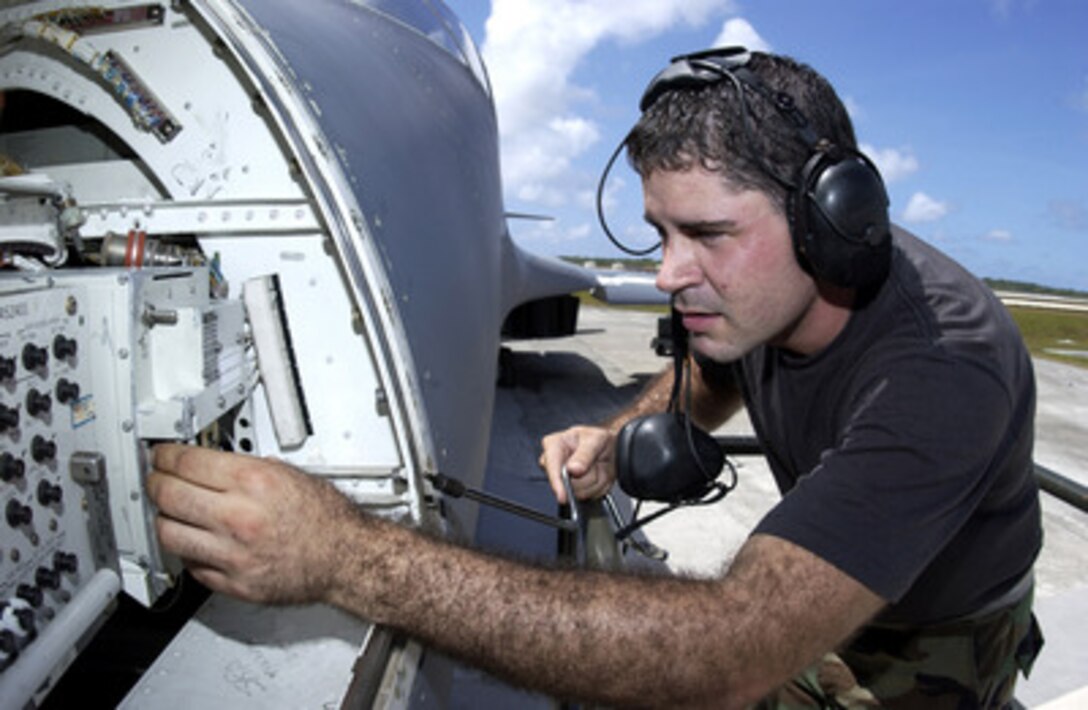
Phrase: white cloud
pixel 738 31
pixel 614 187
pixel 541 193
pixel 532 48
pixel 549 156
pixel 923 208
pixel 893 164
pixel 539 234
pixel 998 235
pixel 577 132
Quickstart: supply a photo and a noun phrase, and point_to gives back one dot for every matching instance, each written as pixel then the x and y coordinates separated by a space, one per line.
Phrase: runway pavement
pixel 584 378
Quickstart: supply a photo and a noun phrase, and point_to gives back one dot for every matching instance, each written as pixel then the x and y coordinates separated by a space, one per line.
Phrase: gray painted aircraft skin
pixel 330 170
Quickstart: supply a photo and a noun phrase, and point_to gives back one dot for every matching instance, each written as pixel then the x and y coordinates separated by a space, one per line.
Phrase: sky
pixel 976 112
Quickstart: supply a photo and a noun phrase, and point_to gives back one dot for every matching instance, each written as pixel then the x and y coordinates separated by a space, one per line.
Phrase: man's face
pixel 727 259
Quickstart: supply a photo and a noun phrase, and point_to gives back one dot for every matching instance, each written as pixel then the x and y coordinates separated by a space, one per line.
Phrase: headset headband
pixel 694 70
pixel 711 66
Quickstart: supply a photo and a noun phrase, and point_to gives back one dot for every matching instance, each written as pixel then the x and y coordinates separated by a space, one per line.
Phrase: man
pixel 889 389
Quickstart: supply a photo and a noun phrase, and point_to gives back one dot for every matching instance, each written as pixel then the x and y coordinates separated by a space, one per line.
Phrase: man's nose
pixel 679 268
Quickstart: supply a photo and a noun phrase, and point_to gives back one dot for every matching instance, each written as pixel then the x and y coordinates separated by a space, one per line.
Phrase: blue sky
pixel 975 110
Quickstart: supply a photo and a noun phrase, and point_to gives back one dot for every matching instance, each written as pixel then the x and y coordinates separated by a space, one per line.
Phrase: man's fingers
pixel 197 546
pixel 224 515
pixel 577 467
pixel 595 486
pixel 191 504
pixel 558 488
pixel 584 452
pixel 218 581
pixel 204 467
pixel 591 450
pixel 554 455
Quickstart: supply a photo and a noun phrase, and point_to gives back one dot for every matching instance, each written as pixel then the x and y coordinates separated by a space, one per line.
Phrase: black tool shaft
pixel 456 489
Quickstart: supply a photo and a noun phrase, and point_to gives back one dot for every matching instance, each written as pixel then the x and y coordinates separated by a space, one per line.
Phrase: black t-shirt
pixel 904 449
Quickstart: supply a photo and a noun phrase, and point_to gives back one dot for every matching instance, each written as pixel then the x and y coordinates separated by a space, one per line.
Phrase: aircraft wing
pixel 623 288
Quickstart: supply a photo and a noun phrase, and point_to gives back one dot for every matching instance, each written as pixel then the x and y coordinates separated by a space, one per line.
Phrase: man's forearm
pixel 711 404
pixel 617 639
pixel 622 640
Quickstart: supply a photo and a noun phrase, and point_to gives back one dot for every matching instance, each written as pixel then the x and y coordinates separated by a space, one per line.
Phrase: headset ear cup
pixel 841 230
pixel 797 210
pixel 656 460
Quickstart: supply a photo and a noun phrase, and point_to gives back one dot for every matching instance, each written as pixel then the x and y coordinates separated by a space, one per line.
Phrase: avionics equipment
pixel 238 225
pixel 96 363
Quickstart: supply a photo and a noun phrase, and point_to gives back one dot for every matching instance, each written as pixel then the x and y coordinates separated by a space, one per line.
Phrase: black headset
pixel 837 206
pixel 664 457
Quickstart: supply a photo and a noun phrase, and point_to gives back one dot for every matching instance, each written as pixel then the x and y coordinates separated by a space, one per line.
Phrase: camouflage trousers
pixel 960 664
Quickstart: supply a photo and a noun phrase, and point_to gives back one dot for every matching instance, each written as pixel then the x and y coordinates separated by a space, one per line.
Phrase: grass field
pixel 1047 330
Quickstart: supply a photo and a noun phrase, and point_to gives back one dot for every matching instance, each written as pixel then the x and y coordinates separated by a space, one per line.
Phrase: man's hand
pixel 253 528
pixel 587 454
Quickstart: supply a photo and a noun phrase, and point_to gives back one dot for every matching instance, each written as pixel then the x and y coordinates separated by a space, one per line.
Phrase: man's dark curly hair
pixel 704 126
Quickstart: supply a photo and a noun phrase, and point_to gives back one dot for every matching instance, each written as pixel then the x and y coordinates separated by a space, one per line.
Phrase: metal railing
pixel 1072 492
